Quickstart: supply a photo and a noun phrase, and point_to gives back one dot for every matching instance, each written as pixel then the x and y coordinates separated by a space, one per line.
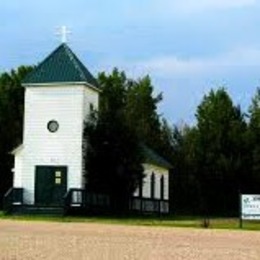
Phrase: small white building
pixel 153 193
pixel 59 94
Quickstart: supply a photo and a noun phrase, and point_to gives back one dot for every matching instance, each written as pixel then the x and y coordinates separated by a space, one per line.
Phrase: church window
pixel 53 126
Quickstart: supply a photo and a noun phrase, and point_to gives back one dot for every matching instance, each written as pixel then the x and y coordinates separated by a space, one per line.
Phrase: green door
pixel 50 185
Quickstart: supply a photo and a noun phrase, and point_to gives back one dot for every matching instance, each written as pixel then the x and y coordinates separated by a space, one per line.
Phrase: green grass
pixel 187 222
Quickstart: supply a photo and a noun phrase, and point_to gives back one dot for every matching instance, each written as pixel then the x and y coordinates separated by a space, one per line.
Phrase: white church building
pixel 59 94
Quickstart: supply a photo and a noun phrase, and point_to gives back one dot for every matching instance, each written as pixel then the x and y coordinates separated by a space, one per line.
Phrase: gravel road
pixel 49 240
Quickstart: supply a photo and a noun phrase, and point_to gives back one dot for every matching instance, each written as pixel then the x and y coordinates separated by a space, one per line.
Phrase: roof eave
pixel 164 166
pixel 61 83
pixel 17 149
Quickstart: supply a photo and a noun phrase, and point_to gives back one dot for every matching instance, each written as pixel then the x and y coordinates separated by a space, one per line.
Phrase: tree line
pixel 217 157
pixel 214 159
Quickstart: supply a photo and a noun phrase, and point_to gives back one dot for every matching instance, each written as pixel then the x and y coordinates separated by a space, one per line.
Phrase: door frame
pixel 48 166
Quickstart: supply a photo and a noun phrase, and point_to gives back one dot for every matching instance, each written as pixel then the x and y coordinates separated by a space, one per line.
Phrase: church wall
pixel 18 164
pixel 91 99
pixel 62 148
pixel 149 169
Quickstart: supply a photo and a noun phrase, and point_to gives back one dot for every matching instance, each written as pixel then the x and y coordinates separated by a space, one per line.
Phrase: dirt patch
pixel 42 240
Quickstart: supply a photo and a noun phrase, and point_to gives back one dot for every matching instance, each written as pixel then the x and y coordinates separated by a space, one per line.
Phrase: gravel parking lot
pixel 49 240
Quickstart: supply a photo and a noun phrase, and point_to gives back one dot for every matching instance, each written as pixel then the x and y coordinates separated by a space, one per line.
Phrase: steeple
pixel 61 66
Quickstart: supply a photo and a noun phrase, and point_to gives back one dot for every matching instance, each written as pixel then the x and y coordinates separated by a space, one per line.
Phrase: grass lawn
pixel 189 222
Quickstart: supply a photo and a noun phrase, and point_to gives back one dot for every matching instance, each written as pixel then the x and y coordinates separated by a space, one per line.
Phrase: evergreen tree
pixel 126 118
pixel 221 131
pixel 185 187
pixel 11 121
pixel 253 183
pixel 141 111
pixel 113 156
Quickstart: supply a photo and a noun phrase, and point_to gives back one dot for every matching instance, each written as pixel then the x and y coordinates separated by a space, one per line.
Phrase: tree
pixel 113 156
pixel 141 111
pixel 126 118
pixel 253 183
pixel 11 121
pixel 185 186
pixel 221 134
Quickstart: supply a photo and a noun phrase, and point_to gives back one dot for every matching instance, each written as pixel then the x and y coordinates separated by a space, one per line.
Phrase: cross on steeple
pixel 63 32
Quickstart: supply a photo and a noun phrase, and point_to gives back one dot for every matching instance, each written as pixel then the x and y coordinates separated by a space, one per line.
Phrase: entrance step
pixel 38 210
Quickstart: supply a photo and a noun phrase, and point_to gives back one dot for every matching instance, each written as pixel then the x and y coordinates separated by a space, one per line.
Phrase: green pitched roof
pixel 62 65
pixel 151 157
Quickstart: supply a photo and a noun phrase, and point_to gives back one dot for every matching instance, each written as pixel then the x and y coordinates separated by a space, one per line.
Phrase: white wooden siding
pixel 18 164
pixel 67 105
pixel 149 169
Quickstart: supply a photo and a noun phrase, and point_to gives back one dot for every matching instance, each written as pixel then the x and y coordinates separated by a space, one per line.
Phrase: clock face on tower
pixel 53 126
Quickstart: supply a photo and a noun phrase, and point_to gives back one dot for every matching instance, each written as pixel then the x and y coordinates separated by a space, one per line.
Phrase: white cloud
pixel 196 6
pixel 184 81
pixel 175 67
pixel 191 6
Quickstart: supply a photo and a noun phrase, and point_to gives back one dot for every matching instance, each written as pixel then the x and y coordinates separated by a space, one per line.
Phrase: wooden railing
pixel 147 205
pixel 13 197
pixel 81 199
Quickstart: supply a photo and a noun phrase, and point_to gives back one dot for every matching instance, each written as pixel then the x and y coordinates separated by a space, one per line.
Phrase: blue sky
pixel 186 46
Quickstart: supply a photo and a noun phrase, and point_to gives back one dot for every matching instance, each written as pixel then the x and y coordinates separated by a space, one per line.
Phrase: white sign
pixel 250 207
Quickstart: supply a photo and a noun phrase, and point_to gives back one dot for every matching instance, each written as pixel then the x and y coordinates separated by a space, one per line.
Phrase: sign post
pixel 240 212
pixel 249 208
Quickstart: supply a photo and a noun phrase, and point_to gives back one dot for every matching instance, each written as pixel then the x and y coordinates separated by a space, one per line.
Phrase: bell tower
pixel 59 95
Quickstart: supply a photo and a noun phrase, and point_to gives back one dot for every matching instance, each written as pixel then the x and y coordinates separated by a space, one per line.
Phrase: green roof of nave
pixel 151 157
pixel 62 65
